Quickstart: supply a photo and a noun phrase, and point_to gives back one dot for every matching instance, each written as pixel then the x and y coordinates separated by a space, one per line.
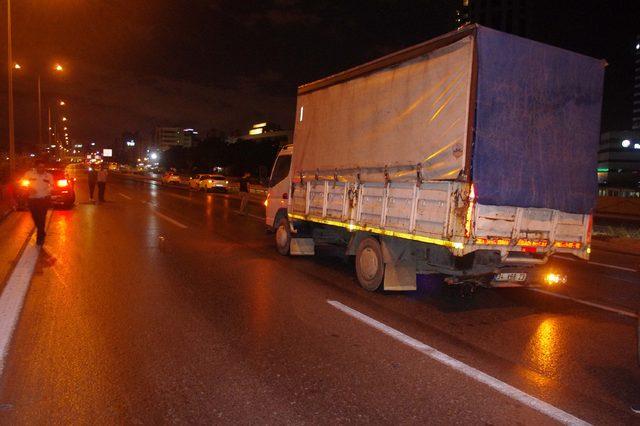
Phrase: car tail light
pixel 62 183
pixel 25 182
pixel 266 202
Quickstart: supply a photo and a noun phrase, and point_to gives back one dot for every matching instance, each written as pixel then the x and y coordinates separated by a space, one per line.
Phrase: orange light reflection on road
pixel 209 211
pixel 545 347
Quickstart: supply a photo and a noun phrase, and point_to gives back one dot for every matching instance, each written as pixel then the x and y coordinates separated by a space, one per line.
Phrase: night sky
pixel 135 64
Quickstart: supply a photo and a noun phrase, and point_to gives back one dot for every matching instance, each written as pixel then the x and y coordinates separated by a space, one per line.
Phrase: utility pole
pixel 49 128
pixel 12 146
pixel 39 114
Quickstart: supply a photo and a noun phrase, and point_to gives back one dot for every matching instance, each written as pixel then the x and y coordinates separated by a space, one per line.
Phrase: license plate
pixel 511 276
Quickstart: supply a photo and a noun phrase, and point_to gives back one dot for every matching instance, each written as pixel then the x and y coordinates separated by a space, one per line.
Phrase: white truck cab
pixel 279 186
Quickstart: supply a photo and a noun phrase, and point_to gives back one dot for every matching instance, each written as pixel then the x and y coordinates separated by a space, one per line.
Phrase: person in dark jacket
pixel 93 179
pixel 244 192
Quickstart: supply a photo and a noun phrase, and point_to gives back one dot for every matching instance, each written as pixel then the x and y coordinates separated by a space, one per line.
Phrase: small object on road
pixel 161 242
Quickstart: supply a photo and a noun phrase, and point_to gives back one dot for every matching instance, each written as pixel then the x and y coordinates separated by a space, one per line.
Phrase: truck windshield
pixel 280 170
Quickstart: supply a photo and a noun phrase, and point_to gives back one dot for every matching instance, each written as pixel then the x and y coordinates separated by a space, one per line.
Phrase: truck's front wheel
pixel 369 264
pixel 283 236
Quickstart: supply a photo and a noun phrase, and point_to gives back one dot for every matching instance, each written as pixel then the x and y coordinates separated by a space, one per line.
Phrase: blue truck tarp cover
pixel 537 124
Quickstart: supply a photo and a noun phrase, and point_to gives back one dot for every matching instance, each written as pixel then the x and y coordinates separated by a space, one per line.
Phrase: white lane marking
pixel 252 216
pixel 125 196
pixel 182 197
pixel 566 258
pixel 13 295
pixel 605 265
pixel 586 302
pixel 621 268
pixel 170 219
pixel 498 385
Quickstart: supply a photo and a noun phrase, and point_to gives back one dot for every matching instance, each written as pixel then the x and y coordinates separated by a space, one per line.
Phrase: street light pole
pixel 12 147
pixel 49 128
pixel 39 114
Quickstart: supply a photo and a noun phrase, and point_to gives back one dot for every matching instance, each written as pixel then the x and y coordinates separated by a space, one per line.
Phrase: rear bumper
pixel 520 255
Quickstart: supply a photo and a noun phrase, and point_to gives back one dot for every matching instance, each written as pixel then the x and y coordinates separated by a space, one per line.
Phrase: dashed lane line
pixel 471 372
pixel 125 196
pixel 586 302
pixel 169 219
pixel 252 216
pixel 605 265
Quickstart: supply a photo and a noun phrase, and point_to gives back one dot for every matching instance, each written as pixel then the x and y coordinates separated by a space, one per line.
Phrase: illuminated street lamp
pixel 12 146
pixel 16 66
pixel 58 68
pixel 61 103
pixel 64 118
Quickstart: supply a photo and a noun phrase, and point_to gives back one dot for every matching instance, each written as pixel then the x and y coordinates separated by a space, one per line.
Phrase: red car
pixel 63 193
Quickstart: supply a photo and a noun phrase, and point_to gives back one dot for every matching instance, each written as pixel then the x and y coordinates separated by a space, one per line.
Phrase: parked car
pixel 170 178
pixel 194 181
pixel 63 193
pixel 215 183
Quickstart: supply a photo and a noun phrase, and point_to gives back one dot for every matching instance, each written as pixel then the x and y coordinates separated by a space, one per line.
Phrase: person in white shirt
pixel 39 188
pixel 102 181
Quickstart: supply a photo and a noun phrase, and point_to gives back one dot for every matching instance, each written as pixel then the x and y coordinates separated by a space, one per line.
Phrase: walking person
pixel 102 182
pixel 93 179
pixel 39 198
pixel 244 192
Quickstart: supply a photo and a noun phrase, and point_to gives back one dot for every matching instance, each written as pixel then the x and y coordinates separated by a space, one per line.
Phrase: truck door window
pixel 280 170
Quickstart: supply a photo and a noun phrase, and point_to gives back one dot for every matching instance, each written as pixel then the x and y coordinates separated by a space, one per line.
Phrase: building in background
pixel 268 132
pixel 635 117
pixel 511 16
pixel 168 137
pixel 619 159
pixel 128 148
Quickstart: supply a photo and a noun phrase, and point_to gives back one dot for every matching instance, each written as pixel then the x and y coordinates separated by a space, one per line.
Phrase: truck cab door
pixel 279 183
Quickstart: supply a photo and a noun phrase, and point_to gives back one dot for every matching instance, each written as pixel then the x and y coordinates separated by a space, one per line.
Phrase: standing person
pixel 102 182
pixel 244 191
pixel 93 178
pixel 40 185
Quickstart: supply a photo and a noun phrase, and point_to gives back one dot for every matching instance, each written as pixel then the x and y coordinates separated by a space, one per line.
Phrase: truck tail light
pixel 25 183
pixel 568 244
pixel 62 183
pixel 493 241
pixel 532 243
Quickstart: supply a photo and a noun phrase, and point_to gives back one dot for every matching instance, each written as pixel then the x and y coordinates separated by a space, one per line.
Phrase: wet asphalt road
pixel 208 324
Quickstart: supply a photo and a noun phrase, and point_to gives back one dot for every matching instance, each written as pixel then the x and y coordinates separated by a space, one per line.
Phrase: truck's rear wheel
pixel 369 264
pixel 283 236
